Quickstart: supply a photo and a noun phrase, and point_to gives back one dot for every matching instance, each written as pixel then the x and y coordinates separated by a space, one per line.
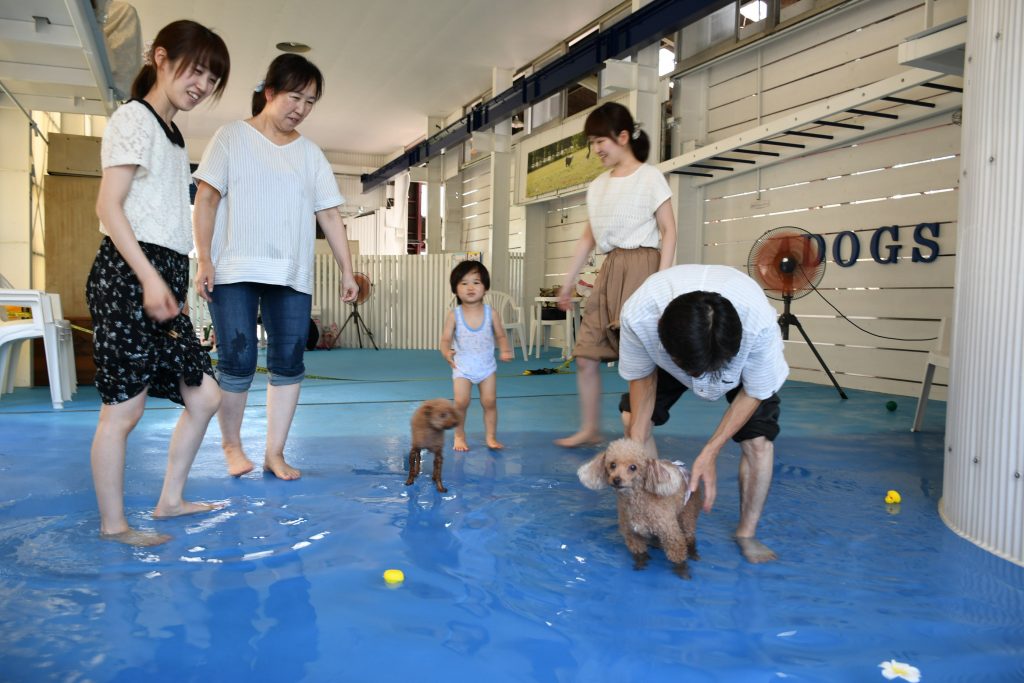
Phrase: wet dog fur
pixel 652 502
pixel 429 423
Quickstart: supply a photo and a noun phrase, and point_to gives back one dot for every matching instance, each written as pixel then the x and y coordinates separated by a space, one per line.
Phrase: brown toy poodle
pixel 655 506
pixel 428 425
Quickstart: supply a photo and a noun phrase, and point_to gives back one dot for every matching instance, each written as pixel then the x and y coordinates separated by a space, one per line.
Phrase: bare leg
pixel 755 480
pixel 200 404
pixel 588 385
pixel 281 402
pixel 489 402
pixel 229 417
pixel 463 389
pixel 108 454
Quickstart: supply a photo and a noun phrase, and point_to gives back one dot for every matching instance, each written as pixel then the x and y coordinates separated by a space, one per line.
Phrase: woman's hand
pixel 158 301
pixel 565 298
pixel 203 281
pixel 349 289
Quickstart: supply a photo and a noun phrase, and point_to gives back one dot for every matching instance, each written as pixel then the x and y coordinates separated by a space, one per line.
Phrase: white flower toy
pixel 893 670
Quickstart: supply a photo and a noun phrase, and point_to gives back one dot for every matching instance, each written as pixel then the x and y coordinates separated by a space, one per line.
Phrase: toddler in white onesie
pixel 467 343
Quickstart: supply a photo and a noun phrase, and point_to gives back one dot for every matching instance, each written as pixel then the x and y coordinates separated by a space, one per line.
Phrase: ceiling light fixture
pixel 290 46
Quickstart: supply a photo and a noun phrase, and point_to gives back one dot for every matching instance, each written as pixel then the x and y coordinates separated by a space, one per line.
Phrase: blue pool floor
pixel 518 573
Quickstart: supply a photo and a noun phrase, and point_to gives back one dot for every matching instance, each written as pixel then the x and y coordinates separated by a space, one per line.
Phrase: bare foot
pixel 460 444
pixel 238 462
pixel 185 508
pixel 136 537
pixel 755 551
pixel 578 439
pixel 276 465
pixel 494 444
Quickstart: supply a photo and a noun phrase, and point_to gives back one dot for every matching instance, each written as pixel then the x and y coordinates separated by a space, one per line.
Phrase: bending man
pixel 709 329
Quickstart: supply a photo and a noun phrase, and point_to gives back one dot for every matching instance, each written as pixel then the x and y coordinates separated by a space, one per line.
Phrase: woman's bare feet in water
pixel 580 438
pixel 460 443
pixel 755 551
pixel 494 444
pixel 276 465
pixel 164 511
pixel 136 537
pixel 238 462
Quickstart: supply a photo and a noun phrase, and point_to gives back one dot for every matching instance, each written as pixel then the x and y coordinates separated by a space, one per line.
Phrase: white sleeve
pixel 634 360
pixel 766 368
pixel 325 188
pixel 213 167
pixel 128 140
pixel 660 191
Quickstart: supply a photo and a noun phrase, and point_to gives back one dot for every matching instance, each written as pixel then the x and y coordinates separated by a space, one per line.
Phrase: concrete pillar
pixel 435 181
pixel 983 480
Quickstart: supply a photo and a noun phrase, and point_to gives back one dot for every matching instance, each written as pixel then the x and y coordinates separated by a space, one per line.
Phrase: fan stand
pixel 361 327
pixel 785 320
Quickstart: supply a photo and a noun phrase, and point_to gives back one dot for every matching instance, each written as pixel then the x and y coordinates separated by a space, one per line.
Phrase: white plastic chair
pixel 47 323
pixel 511 318
pixel 936 358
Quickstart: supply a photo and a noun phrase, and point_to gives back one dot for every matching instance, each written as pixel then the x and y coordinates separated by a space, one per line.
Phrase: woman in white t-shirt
pixel 263 188
pixel 630 216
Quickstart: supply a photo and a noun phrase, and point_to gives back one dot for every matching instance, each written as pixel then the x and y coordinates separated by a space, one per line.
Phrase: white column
pixel 501 188
pixel 15 228
pixel 435 179
pixel 983 481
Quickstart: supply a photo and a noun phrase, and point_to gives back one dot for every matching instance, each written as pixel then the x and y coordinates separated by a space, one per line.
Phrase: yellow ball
pixel 394 576
pixel 892 497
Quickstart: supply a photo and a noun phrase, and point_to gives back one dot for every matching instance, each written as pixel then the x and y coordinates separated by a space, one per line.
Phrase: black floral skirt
pixel 133 352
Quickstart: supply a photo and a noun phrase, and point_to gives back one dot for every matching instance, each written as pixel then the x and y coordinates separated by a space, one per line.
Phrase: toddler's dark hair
pixel 465 268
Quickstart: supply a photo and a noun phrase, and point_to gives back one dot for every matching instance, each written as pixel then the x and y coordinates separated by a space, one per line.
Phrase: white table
pixel 570 324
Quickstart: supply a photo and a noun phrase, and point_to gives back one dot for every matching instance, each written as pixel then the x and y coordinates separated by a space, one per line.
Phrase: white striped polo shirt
pixel 760 365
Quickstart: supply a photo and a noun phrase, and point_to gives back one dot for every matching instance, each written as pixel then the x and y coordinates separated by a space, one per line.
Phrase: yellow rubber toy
pixel 892 497
pixel 394 576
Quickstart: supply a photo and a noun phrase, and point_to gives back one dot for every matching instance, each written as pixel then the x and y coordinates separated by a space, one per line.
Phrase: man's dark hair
pixel 463 269
pixel 701 331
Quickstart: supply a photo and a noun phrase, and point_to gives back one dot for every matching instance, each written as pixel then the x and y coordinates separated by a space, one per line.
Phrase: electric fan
pixel 787 263
pixel 364 289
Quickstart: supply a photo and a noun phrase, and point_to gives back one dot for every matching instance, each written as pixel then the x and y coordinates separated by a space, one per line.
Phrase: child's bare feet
pixel 136 537
pixel 494 444
pixel 460 443
pixel 164 511
pixel 580 438
pixel 238 462
pixel 276 465
pixel 755 551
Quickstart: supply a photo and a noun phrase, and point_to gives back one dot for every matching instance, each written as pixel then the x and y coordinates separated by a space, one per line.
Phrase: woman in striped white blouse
pixel 263 188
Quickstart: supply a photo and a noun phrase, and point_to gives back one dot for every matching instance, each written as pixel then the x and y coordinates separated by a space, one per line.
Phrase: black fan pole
pixel 360 326
pixel 785 320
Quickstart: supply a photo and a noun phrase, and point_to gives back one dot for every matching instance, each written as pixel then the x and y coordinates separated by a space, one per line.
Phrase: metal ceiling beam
pixel 648 24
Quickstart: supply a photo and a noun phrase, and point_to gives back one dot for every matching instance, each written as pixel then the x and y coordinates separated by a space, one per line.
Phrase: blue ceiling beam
pixel 650 23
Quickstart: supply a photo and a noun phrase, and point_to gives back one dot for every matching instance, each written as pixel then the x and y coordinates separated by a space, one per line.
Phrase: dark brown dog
pixel 428 425
pixel 653 505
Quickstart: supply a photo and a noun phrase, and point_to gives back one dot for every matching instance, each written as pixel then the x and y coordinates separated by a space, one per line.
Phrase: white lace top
pixel 157 205
pixel 621 209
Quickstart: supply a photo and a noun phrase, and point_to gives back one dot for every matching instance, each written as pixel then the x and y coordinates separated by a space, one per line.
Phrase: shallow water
pixel 516 574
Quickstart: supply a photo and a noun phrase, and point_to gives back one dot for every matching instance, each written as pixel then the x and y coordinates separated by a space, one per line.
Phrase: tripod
pixel 361 327
pixel 787 319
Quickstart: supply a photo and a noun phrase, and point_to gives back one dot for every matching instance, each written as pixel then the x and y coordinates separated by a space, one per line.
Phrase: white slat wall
pixel 408 302
pixel 903 177
pixel 476 207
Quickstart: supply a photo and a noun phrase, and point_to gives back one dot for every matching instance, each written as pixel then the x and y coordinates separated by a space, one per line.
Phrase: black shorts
pixel 764 422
